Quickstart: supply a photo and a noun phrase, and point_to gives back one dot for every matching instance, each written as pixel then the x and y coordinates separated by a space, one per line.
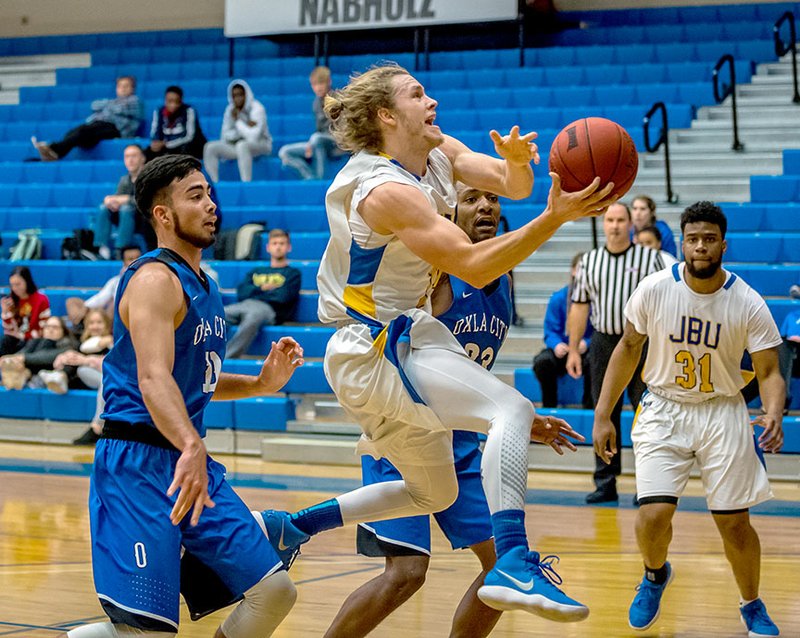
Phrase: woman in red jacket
pixel 23 311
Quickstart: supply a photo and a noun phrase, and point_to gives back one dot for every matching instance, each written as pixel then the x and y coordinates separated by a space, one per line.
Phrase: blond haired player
pixel 397 370
pixel 699 319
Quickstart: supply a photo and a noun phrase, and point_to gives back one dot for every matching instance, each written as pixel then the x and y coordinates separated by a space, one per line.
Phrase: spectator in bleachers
pixel 643 213
pixel 790 350
pixel 267 296
pixel 120 117
pixel 82 368
pixel 119 209
pixel 309 158
pixel 245 133
pixel 37 354
pixel 23 311
pixel 551 363
pixel 651 237
pixel 77 308
pixel 175 128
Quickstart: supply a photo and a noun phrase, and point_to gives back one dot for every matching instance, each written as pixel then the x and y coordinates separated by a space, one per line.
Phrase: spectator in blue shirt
pixel 790 350
pixel 643 214
pixel 120 117
pixel 550 363
pixel 175 128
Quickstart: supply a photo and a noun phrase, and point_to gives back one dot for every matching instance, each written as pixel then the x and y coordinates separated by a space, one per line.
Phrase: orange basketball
pixel 592 147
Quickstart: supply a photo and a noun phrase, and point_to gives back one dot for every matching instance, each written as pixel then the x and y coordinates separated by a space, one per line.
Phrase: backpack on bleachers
pixel 243 243
pixel 80 246
pixel 29 245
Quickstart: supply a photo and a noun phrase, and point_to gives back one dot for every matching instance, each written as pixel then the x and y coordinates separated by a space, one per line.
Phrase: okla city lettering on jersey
pixel 204 329
pixel 271 17
pixel 481 322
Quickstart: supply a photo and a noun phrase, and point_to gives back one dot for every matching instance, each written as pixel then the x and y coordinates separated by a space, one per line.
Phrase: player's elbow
pixel 522 191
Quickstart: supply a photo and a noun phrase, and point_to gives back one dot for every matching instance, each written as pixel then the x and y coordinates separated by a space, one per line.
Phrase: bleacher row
pixel 608 62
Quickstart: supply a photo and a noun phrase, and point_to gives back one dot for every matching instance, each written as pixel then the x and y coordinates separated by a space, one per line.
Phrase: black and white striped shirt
pixel 607 280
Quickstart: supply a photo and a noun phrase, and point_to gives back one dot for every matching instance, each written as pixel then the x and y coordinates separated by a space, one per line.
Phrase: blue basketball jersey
pixel 199 347
pixel 479 318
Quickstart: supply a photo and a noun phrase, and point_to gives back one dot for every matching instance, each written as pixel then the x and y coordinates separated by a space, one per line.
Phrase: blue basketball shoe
pixel 757 620
pixel 284 537
pixel 646 605
pixel 520 580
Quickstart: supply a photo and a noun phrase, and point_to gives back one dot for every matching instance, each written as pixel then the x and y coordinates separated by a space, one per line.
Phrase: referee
pixel 605 280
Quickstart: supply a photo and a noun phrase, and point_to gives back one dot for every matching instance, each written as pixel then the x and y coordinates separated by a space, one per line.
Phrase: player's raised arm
pixel 403 210
pixel 620 369
pixel 511 176
pixel 151 307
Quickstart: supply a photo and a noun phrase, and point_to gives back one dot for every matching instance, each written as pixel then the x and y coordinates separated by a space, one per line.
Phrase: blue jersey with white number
pixel 479 318
pixel 199 347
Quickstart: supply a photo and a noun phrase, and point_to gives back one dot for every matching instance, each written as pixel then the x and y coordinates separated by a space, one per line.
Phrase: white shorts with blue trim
pixel 669 437
pixel 364 366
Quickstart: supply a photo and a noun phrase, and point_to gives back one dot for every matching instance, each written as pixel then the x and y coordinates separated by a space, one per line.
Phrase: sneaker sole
pixel 55 388
pixel 507 599
pixel 658 613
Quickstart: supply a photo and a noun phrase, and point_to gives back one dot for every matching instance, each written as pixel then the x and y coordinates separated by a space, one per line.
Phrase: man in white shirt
pixel 699 319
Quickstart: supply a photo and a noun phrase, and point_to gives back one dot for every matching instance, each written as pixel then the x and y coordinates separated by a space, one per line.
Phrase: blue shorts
pixel 465 523
pixel 136 550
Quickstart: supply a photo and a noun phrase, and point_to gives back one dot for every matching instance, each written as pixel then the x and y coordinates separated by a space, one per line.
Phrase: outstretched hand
pixel 589 202
pixel 514 148
pixel 553 431
pixel 283 359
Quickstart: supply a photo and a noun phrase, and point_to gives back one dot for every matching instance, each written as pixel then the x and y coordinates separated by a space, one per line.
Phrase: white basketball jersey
pixel 697 340
pixel 364 275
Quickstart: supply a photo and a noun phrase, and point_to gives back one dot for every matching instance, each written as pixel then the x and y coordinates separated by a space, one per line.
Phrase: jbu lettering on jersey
pixel 480 322
pixel 694 331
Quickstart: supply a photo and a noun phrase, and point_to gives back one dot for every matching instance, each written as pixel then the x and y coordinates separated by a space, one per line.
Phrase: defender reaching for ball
pixel 398 371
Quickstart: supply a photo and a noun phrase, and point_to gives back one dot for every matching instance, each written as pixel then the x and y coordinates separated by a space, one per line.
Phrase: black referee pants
pixel 600 349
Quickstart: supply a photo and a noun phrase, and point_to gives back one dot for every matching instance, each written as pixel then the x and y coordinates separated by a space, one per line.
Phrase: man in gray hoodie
pixel 245 133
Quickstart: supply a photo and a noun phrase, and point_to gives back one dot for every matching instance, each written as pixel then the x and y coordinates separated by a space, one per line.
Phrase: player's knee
pixel 276 592
pixel 444 493
pixel 407 577
pixel 518 412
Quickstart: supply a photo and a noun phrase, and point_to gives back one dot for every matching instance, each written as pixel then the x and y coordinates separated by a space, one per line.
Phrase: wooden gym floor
pixel 46 580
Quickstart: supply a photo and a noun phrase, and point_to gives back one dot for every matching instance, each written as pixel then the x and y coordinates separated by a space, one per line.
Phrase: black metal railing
pixel 729 89
pixel 663 139
pixel 782 48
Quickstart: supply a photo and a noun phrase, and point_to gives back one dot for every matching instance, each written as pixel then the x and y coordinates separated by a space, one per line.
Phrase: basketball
pixel 592 147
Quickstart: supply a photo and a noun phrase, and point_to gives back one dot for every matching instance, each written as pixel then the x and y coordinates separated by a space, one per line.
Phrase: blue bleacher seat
pixel 774 188
pixel 263 413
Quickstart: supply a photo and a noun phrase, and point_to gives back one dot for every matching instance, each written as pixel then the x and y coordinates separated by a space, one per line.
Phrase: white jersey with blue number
pixel 697 340
pixel 365 275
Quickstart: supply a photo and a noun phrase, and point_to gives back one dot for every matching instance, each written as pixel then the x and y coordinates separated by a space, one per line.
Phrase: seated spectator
pixel 37 354
pixel 23 311
pixel 551 363
pixel 82 369
pixel 643 214
pixel 103 300
pixel 310 157
pixel 120 117
pixel 650 236
pixel 245 133
pixel 175 128
pixel 119 209
pixel 267 296
pixel 790 350
pixel 794 291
